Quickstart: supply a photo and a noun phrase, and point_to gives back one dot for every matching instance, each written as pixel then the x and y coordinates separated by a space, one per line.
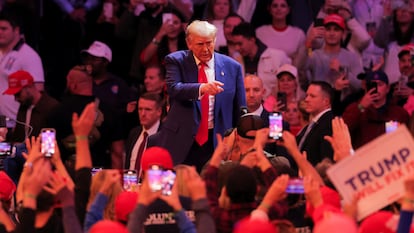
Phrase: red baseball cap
pixel 17 81
pixel 408 48
pixel 381 221
pixel 108 226
pixel 156 156
pixel 125 202
pixel 248 225
pixel 335 221
pixel 7 186
pixel 334 19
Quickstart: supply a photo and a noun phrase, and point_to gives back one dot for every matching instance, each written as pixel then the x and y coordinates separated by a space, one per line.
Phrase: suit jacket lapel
pixel 315 127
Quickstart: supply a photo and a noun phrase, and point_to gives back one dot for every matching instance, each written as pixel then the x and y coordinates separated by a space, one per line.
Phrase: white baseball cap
pixel 287 68
pixel 99 49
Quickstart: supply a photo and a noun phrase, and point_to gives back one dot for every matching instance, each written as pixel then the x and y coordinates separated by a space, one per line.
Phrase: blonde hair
pixel 201 28
pixel 97 180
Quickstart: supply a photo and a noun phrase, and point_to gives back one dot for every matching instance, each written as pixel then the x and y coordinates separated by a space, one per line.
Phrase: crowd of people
pixel 162 111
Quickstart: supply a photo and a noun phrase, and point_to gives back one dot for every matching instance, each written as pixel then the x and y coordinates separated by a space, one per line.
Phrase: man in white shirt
pixel 149 112
pixel 15 55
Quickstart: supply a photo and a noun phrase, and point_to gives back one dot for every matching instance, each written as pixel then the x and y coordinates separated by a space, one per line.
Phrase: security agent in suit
pixel 255 92
pixel 318 105
pixel 150 107
pixel 224 87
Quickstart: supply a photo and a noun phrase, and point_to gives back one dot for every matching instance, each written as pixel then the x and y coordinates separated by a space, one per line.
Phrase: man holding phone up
pixel 367 118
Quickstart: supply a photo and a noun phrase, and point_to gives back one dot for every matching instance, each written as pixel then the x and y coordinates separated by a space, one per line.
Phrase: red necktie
pixel 202 133
pixel 141 151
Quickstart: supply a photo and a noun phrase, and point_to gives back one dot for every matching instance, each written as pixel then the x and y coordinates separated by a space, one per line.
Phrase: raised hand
pixel 173 200
pixel 312 191
pixel 220 153
pixel 195 184
pixel 211 88
pixel 33 149
pixel 340 139
pixel 36 178
pixel 82 125
pixel 276 192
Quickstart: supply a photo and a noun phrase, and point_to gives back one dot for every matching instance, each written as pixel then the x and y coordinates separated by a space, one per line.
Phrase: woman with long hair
pixel 170 38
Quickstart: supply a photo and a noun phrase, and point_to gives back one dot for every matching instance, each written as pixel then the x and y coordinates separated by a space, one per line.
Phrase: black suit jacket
pixel 130 142
pixel 316 147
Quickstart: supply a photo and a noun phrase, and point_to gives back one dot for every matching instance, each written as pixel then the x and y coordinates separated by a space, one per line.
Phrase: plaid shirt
pixel 226 218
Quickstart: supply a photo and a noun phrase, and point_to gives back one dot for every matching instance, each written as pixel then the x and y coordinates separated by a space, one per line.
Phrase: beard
pixel 27 102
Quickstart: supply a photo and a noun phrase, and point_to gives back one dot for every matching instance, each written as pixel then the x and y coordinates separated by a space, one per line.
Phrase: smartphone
pixel 402 82
pixel 47 139
pixel 108 10
pixel 5 149
pixel 372 85
pixel 275 125
pixel 318 22
pixel 3 122
pixel 281 96
pixel 155 178
pixel 412 59
pixel 295 185
pixel 167 17
pixel 95 170
pixel 130 180
pixel 391 126
pixel 168 179
pixel 343 70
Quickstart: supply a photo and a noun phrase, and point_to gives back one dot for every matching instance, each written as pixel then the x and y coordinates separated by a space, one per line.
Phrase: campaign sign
pixel 376 173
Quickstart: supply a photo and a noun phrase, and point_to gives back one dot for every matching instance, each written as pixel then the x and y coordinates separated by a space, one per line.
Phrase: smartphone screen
pixel 5 149
pixel 130 180
pixel 295 186
pixel 95 170
pixel 47 138
pixel 391 126
pixel 275 125
pixel 281 96
pixel 168 179
pixel 155 178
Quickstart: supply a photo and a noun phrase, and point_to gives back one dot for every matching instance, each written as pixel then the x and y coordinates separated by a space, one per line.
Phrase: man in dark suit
pixel 149 112
pixel 255 91
pixel 189 130
pixel 311 138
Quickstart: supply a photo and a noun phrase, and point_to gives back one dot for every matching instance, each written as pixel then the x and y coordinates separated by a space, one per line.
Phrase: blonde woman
pixel 105 187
